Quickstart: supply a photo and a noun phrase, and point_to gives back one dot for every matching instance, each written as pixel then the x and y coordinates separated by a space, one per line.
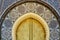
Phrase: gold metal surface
pixel 30 27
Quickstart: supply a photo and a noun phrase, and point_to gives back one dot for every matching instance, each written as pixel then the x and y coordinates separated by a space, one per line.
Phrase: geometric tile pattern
pixel 20 10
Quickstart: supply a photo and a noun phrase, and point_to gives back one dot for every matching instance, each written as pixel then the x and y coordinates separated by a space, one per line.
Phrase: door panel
pixel 30 27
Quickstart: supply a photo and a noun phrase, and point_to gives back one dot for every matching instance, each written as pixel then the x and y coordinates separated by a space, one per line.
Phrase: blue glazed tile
pixel 7 3
pixel 53 24
pixel 8 23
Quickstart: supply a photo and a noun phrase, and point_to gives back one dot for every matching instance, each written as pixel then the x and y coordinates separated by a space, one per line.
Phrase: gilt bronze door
pixel 30 27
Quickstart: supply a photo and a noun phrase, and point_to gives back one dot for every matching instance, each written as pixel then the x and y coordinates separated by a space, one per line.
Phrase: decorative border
pixel 52 9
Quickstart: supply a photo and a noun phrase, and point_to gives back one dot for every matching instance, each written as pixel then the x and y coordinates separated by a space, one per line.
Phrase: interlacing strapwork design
pixel 20 10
